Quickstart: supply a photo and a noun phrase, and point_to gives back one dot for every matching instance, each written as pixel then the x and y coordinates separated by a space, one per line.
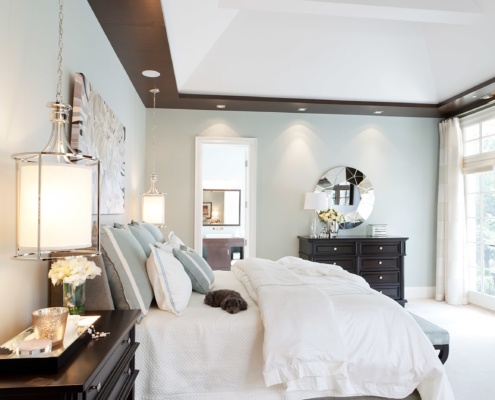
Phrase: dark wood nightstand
pixel 100 369
pixel 379 260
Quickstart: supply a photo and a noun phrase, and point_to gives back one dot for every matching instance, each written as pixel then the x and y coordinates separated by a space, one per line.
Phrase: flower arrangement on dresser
pixel 332 218
pixel 331 215
pixel 72 273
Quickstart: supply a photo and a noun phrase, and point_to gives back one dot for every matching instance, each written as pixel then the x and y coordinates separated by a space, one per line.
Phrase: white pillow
pixel 167 247
pixel 171 284
pixel 175 240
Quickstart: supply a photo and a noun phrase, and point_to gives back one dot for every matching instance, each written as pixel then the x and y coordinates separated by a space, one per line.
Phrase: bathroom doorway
pixel 225 169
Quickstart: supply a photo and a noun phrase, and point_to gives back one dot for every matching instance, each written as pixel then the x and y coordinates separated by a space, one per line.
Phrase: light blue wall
pixel 398 154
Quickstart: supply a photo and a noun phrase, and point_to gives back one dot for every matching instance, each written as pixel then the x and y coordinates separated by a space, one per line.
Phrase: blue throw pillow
pixel 200 273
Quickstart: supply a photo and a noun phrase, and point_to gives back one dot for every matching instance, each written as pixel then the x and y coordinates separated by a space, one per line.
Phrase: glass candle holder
pixel 50 323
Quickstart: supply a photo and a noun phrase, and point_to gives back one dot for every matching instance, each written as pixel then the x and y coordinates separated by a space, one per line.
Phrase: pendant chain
pixel 154 126
pixel 60 48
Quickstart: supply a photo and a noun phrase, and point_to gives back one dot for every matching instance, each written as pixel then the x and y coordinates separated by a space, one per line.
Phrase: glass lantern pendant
pixel 55 191
pixel 153 202
pixel 55 196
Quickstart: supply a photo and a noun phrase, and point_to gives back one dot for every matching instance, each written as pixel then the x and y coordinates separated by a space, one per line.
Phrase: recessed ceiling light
pixel 302 109
pixel 378 112
pixel 488 96
pixel 474 96
pixel 149 73
pixel 221 106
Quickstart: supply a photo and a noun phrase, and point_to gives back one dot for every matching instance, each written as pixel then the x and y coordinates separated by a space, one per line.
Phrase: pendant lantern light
pixel 153 201
pixel 55 189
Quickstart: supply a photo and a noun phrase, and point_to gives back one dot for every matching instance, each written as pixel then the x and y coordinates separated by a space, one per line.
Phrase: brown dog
pixel 229 300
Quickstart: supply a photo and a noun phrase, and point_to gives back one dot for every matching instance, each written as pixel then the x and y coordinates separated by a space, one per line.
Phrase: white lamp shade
pixel 64 208
pixel 315 201
pixel 154 208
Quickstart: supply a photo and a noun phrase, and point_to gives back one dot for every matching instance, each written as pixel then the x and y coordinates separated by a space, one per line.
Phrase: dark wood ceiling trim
pixel 137 33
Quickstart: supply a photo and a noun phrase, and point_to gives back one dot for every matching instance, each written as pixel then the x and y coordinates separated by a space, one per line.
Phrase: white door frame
pixel 250 231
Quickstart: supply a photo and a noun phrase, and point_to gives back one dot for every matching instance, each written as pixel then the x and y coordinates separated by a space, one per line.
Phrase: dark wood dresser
pixel 379 260
pixel 101 369
pixel 218 252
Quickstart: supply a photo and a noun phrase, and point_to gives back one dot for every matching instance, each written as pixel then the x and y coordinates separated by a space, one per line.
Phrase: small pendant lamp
pixel 55 189
pixel 153 201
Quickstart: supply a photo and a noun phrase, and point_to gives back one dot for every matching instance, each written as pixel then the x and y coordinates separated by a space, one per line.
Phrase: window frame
pixel 477 164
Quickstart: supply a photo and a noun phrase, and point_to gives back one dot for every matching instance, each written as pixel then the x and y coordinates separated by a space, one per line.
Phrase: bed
pixel 310 331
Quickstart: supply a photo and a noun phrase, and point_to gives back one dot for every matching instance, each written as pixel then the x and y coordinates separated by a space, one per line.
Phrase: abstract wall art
pixel 97 132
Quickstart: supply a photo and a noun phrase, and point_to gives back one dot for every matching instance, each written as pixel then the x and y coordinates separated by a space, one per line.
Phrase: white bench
pixel 439 337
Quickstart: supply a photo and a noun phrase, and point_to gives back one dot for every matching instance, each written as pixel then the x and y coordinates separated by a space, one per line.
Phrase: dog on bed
pixel 229 300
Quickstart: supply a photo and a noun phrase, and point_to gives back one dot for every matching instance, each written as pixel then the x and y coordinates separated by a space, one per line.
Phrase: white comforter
pixel 327 330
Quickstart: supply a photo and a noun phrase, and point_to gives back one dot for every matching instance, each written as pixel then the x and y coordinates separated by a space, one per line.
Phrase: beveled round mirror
pixel 350 192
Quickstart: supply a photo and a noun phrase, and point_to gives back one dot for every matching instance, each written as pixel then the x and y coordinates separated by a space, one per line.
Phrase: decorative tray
pixel 75 335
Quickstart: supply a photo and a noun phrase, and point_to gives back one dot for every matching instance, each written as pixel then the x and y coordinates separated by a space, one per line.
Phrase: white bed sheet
pixel 206 353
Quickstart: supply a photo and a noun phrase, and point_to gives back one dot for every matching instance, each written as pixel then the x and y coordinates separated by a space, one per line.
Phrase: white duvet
pixel 327 330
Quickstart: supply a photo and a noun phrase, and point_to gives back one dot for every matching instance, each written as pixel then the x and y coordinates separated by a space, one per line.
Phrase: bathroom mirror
pixel 350 192
pixel 221 207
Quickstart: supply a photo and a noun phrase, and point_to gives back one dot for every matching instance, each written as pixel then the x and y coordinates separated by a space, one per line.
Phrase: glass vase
pixel 333 228
pixel 74 298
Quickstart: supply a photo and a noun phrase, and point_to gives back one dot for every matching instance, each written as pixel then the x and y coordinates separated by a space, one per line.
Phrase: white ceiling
pixel 412 51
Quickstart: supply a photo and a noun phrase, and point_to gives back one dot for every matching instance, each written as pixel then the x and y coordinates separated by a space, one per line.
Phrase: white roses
pixel 73 270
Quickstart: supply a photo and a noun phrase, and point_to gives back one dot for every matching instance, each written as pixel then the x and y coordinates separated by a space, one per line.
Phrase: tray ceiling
pixel 430 58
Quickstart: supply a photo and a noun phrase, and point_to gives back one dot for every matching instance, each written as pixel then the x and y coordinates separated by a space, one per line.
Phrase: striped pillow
pixel 197 268
pixel 125 262
pixel 170 283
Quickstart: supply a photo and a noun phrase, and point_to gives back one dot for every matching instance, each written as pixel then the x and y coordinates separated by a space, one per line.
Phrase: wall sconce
pixel 315 201
pixel 55 189
pixel 153 202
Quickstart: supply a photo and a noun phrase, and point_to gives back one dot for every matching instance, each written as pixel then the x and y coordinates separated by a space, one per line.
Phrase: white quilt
pixel 327 330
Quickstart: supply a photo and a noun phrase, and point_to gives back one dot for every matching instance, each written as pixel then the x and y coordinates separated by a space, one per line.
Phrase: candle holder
pixel 50 323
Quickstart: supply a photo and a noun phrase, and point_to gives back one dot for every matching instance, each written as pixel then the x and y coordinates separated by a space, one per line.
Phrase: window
pixel 479 162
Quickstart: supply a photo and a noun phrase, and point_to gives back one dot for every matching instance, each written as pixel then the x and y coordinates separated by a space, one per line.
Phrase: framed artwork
pixel 97 132
pixel 207 210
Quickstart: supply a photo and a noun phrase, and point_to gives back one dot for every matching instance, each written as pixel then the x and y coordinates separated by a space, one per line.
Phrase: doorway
pixel 228 165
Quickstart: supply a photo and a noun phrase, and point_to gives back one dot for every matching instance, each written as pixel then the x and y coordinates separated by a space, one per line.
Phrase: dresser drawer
pixel 349 264
pixel 381 277
pixel 390 291
pixel 124 378
pixel 387 248
pixel 109 373
pixel 337 248
pixel 368 264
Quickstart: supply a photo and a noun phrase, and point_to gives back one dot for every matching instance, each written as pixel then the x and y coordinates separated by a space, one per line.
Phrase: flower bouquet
pixel 333 218
pixel 331 215
pixel 72 273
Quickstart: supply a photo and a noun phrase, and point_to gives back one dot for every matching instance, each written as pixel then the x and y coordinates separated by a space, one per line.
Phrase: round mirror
pixel 350 192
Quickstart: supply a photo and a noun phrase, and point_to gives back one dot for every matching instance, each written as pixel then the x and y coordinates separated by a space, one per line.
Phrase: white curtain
pixel 452 279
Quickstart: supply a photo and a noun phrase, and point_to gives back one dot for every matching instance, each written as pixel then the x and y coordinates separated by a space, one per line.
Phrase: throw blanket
pixel 326 329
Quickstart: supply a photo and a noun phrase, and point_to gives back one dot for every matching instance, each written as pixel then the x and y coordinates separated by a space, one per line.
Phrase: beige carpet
pixel 471 363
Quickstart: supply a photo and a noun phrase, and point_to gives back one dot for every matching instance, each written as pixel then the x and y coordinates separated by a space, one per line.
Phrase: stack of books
pixel 377 230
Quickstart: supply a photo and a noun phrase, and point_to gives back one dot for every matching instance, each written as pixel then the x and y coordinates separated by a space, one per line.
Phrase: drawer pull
pixel 335 249
pixel 334 263
pixel 379 262
pixel 97 387
pixel 128 372
pixel 380 277
pixel 381 291
pixel 381 248
pixel 126 341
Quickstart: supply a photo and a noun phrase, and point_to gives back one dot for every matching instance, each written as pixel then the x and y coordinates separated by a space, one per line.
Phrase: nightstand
pixel 100 369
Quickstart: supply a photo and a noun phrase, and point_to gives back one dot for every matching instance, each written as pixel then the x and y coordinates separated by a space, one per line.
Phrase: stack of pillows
pixel 141 265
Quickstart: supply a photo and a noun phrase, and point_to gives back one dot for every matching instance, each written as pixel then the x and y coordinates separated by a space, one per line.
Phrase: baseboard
pixel 419 292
